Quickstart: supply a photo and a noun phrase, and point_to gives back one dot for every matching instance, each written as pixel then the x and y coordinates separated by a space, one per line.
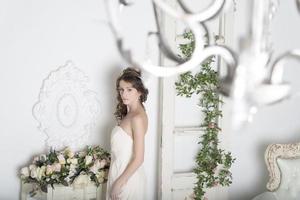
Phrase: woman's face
pixel 128 93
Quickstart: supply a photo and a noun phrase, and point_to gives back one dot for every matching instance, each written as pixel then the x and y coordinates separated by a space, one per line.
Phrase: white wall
pixel 38 36
pixel 274 124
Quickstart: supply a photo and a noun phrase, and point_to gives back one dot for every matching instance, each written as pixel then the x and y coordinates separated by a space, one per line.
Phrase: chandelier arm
pixel 116 29
pixel 113 19
pixel 206 31
pixel 168 9
pixel 195 61
pixel 276 72
pixel 125 2
pixel 209 13
pixel 229 57
pixel 298 5
pixel 226 81
pixel 198 56
pixel 163 46
pixel 126 54
pixel 166 50
pixel 184 7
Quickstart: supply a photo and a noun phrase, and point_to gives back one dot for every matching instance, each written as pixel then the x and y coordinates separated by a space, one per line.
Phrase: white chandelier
pixel 252 79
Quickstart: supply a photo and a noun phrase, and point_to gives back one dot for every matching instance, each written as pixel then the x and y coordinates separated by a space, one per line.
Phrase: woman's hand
pixel 116 190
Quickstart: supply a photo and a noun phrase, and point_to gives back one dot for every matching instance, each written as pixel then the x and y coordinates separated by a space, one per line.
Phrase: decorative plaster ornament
pixel 66 109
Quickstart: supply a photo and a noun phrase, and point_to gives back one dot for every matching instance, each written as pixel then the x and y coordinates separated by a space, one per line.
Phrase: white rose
pixel 32 167
pixel 74 161
pixel 82 154
pixel 100 179
pixel 43 157
pixel 72 169
pixel 25 172
pixel 61 159
pixel 69 152
pixel 41 172
pixel 100 176
pixel 88 160
pixel 33 172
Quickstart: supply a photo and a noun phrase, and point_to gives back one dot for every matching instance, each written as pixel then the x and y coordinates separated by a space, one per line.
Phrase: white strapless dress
pixel 121 154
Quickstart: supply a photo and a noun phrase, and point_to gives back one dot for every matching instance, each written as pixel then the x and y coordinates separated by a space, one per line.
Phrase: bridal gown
pixel 121 153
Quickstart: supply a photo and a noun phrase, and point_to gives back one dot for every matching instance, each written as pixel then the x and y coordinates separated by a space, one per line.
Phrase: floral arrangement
pixel 65 167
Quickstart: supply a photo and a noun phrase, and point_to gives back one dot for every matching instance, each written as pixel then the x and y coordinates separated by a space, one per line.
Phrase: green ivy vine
pixel 212 163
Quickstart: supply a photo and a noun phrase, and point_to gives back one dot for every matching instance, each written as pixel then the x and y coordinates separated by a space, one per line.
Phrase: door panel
pixel 180 123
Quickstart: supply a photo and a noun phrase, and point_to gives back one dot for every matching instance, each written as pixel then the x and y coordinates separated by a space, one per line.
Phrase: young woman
pixel 126 179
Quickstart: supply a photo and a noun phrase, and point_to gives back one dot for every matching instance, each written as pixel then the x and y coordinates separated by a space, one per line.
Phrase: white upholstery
pixel 266 196
pixel 290 179
pixel 283 163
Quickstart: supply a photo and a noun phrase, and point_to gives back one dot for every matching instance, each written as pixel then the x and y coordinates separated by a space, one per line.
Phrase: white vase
pixel 60 192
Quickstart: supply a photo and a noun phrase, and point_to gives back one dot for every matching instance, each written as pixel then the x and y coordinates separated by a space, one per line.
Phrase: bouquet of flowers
pixel 64 167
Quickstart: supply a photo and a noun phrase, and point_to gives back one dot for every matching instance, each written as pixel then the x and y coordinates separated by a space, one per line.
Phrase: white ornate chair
pixel 283 163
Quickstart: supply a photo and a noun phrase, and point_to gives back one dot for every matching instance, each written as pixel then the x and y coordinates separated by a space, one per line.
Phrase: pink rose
pixel 56 167
pixel 49 169
pixel 102 163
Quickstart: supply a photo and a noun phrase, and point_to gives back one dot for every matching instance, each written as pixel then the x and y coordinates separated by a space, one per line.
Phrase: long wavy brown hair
pixel 133 76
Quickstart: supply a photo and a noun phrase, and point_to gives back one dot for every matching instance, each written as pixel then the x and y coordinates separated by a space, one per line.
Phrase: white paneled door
pixel 180 123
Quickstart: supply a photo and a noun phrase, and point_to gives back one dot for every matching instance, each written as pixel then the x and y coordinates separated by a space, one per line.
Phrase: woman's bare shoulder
pixel 140 121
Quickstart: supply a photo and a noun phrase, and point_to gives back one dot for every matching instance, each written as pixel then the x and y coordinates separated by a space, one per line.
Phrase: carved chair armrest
pixel 274 151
